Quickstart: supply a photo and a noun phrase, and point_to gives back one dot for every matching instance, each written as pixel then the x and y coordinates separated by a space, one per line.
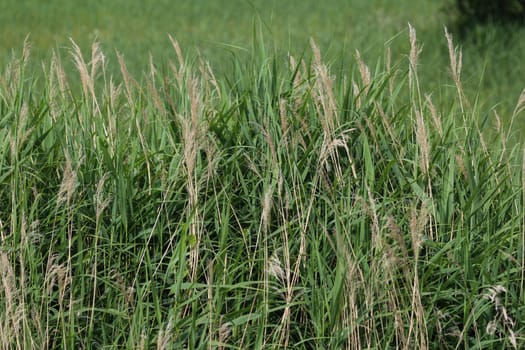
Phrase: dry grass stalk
pixel 499 127
pixel 9 298
pixel 271 145
pixel 284 121
pixel 140 126
pixel 88 76
pixel 6 80
pixel 26 51
pixel 376 238
pixel 128 81
pixel 13 74
pixel 127 291
pixel 373 132
pixel 395 232
pixel 101 203
pixel 57 86
pixel 22 132
pixel 502 138
pixel 461 165
pixel 391 80
pixel 115 91
pixel 323 94
pixel 289 282
pixel 193 132
pixel 324 100
pixel 354 280
pixel 420 328
pixel 299 86
pixel 436 118
pixel 4 90
pixel 152 87
pixel 351 314
pixel 98 60
pixel 57 274
pixel 502 324
pixel 164 336
pixel 194 138
pixel 140 341
pixel 520 105
pixel 397 311
pixel 357 95
pixel 69 182
pixel 110 127
pixel 364 71
pixel 208 77
pixel 456 59
pixel 275 269
pixel 484 148
pixel 417 328
pixel 418 222
pixel 295 103
pixel 423 143
pixel 225 331
pixel 60 74
pixel 399 324
pixel 413 57
pixel 297 81
pixel 329 157
pixel 178 71
pixel 267 204
pixel 24 242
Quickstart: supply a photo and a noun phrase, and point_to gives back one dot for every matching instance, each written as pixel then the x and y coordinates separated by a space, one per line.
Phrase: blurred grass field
pixel 492 56
pixel 137 28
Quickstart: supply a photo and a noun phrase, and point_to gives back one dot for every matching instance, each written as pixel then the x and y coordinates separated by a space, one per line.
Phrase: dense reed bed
pixel 277 207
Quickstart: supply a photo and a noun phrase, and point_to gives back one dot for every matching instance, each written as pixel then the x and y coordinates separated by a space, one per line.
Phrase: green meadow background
pixel 492 68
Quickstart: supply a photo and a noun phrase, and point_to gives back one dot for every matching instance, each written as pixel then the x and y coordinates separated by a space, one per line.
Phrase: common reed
pixel 279 206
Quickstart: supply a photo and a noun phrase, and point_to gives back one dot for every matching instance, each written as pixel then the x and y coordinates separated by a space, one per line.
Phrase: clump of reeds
pixel 280 206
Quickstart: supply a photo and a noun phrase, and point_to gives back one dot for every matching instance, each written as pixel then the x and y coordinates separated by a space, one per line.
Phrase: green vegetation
pixel 280 206
pixel 324 181
pixel 485 10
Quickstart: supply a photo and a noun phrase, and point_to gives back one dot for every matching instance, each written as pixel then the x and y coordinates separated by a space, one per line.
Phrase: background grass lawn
pixel 492 57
